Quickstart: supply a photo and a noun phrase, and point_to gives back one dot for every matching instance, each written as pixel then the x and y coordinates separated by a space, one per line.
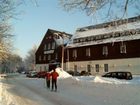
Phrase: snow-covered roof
pixel 109 40
pixel 104 33
pixel 110 29
pixel 61 37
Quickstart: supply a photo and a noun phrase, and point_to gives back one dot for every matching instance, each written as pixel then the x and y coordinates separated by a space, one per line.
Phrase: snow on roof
pixel 62 37
pixel 109 40
pixel 100 31
pixel 92 31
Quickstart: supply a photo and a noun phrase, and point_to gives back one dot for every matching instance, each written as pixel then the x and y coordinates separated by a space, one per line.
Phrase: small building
pixel 111 46
pixel 49 54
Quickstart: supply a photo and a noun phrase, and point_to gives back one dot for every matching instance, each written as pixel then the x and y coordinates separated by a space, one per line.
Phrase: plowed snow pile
pixel 62 73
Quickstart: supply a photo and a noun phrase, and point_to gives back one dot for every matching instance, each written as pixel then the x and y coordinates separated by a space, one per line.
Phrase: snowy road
pixel 32 91
pixel 25 91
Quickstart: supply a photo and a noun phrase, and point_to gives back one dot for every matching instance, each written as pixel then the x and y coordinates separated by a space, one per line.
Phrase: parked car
pixel 32 74
pixel 85 73
pixel 119 75
pixel 41 74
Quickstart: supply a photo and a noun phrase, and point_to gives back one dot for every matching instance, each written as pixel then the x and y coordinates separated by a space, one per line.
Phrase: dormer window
pixel 81 40
pixel 92 38
pixel 89 39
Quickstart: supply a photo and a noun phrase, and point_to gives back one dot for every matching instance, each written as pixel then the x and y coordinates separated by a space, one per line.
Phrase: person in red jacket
pixel 48 76
pixel 54 75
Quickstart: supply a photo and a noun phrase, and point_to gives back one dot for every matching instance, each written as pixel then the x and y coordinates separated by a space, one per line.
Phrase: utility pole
pixel 62 58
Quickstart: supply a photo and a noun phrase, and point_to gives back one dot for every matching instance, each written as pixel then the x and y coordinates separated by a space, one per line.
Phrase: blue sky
pixel 33 22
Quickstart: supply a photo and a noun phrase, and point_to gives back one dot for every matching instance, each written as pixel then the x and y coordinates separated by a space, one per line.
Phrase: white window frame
pixel 74 54
pixel 53 45
pixel 105 67
pixel 44 58
pixel 123 48
pixel 56 56
pixel 105 50
pixel 49 57
pixel 88 52
pixel 40 58
pixel 97 68
pixel 49 46
pixel 45 47
pixel 89 68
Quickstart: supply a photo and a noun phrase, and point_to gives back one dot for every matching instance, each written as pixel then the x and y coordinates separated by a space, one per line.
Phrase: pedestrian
pixel 54 75
pixel 48 76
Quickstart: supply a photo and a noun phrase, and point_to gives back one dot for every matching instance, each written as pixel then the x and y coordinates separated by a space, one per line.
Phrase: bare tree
pixel 30 59
pixel 7 11
pixel 12 64
pixel 104 8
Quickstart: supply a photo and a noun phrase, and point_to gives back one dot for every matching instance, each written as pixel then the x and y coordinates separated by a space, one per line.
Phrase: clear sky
pixel 33 22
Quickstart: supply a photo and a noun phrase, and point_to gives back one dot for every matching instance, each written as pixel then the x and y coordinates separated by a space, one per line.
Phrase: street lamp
pixel 62 58
pixel 62 50
pixel 63 36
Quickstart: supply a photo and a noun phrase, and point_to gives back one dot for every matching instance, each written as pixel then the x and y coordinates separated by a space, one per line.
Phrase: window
pixel 40 68
pixel 56 56
pixel 74 53
pixel 49 46
pixel 45 47
pixel 45 68
pixel 40 58
pixel 57 36
pixel 49 57
pixel 44 58
pixel 105 50
pixel 81 40
pixel 97 67
pixel 87 51
pixel 106 67
pixel 53 45
pixel 75 69
pixel 123 48
pixel 89 39
pixel 89 68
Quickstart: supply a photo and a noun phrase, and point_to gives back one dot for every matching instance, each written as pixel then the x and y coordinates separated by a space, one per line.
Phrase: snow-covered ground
pixel 83 90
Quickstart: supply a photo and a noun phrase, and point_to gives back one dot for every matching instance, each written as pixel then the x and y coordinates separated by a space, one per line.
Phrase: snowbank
pixel 63 74
pixel 5 97
pixel 98 79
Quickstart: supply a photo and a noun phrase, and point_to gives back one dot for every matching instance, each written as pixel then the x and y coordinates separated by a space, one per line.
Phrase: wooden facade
pixel 96 49
pixel 113 51
pixel 49 53
pixel 106 47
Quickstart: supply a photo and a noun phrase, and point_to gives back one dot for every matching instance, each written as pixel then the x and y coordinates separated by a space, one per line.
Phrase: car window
pixel 128 74
pixel 108 74
pixel 114 74
pixel 120 75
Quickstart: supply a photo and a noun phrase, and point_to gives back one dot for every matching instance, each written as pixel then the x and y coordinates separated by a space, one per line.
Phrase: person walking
pixel 54 75
pixel 48 76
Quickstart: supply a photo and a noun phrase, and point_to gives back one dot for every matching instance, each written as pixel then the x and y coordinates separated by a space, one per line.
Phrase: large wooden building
pixel 111 46
pixel 49 53
pixel 101 48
